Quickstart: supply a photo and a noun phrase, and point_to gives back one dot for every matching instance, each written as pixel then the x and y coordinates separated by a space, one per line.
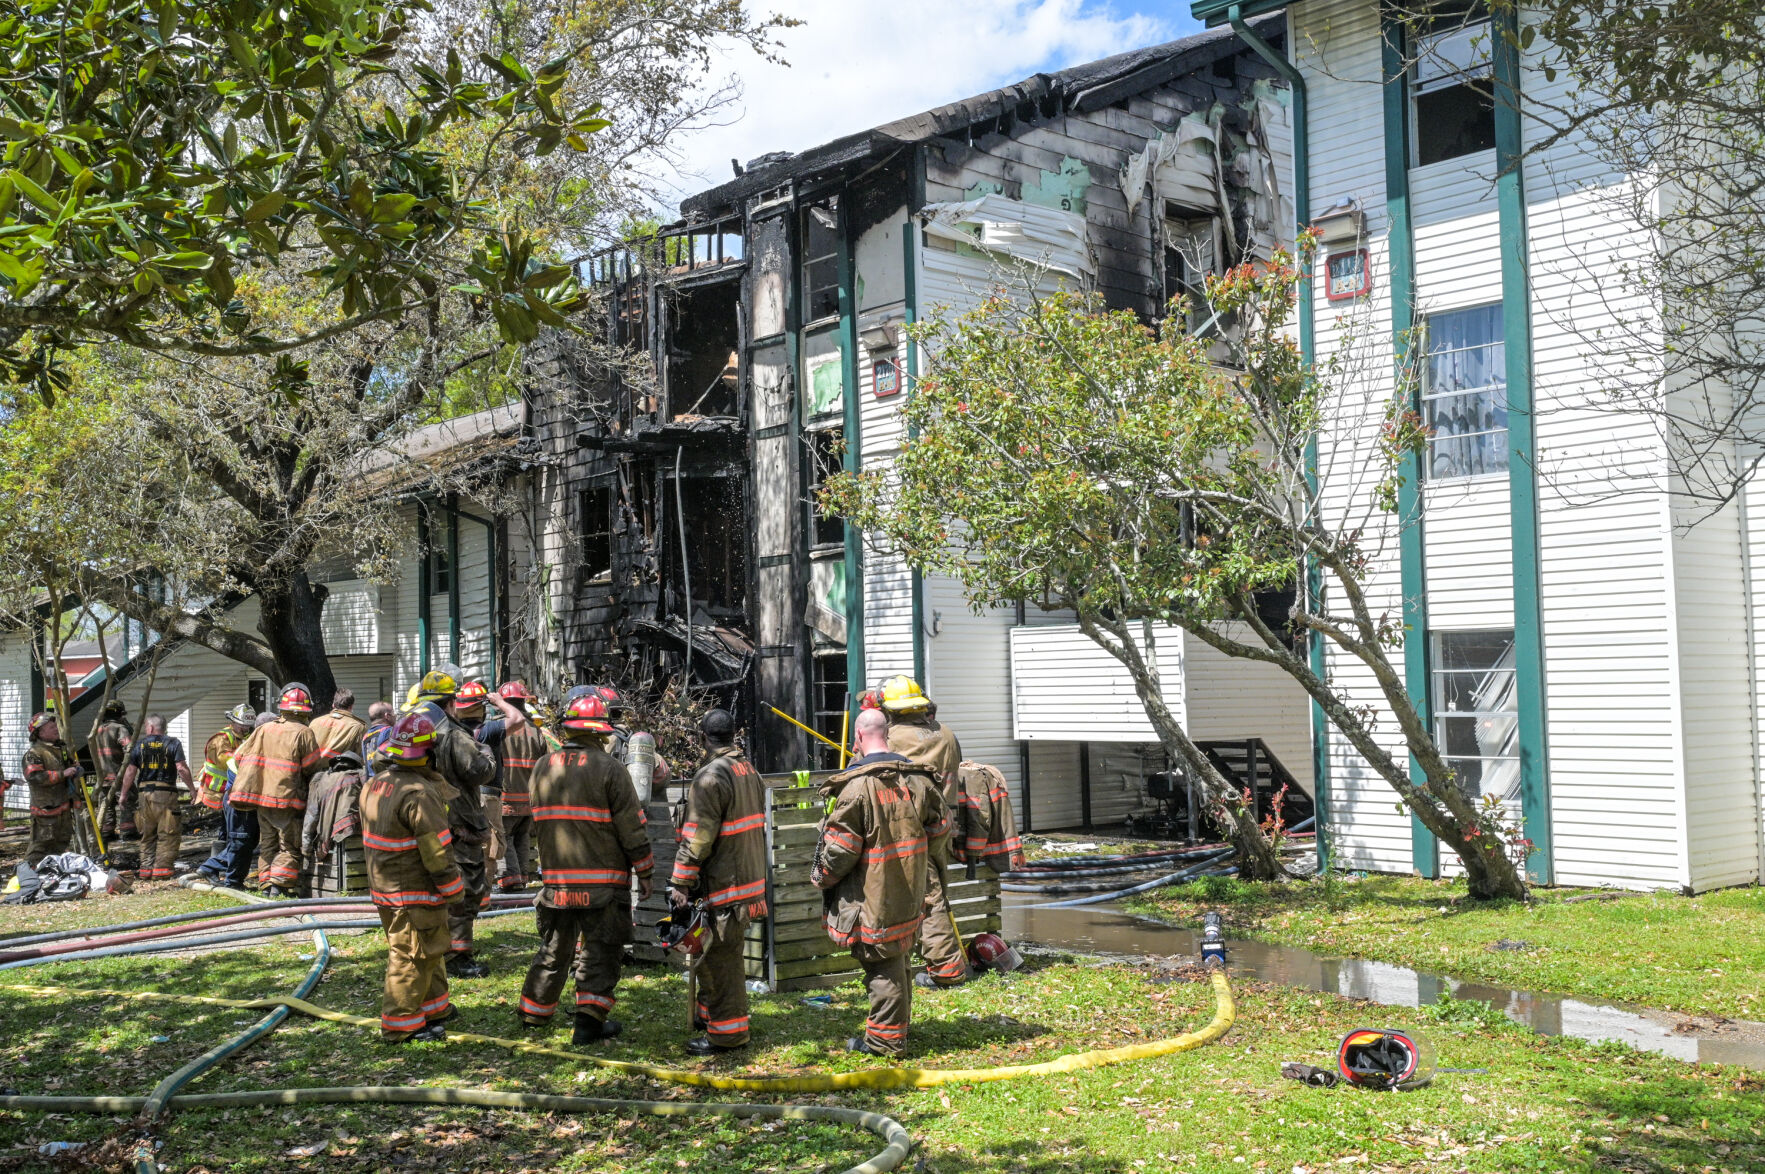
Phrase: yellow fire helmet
pixel 903 695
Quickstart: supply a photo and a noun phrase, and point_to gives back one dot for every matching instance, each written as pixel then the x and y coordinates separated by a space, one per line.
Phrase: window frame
pixel 1475 24
pixel 1426 396
pixel 1438 674
pixel 810 259
pixel 816 472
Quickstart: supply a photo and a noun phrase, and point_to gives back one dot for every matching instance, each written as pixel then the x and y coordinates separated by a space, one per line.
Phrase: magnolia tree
pixel 1074 458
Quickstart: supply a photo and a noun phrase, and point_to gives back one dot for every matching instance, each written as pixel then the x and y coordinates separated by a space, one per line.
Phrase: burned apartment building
pixel 759 344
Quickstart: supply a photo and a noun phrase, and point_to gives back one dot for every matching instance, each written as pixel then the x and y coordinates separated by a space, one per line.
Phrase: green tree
pixel 1073 458
pixel 158 152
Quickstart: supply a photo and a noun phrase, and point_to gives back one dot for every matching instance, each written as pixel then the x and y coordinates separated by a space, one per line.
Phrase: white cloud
pixel 858 63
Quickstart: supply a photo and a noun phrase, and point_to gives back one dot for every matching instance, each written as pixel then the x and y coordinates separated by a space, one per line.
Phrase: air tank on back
pixel 640 761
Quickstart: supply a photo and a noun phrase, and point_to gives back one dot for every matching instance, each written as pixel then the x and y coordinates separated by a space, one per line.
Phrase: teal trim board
pixel 1516 300
pixel 909 369
pixel 1401 250
pixel 849 377
pixel 1314 585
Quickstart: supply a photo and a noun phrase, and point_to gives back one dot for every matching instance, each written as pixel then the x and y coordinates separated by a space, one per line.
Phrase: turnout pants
pixel 590 942
pixel 50 836
pixel 162 832
pixel 415 993
pixel 109 807
pixel 462 913
pixel 517 857
pixel 493 847
pixel 723 980
pixel 938 944
pixel 891 1001
pixel 278 847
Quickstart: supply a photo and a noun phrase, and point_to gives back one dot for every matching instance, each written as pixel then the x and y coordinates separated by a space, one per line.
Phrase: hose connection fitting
pixel 1213 941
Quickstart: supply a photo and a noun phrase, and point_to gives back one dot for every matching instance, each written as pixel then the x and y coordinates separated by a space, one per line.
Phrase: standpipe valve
pixel 1213 941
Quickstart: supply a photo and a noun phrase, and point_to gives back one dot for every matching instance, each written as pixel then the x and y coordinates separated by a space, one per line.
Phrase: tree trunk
pixel 1257 857
pixel 288 616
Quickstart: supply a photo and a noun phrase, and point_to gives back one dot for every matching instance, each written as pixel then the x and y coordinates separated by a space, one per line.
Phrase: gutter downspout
pixel 424 587
pixel 453 579
pixel 1320 736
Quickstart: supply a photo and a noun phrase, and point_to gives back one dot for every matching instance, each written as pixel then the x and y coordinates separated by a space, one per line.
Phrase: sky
pixel 854 64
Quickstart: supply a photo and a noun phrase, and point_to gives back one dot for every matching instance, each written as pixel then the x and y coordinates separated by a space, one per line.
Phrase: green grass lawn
pixel 1700 955
pixel 1541 1105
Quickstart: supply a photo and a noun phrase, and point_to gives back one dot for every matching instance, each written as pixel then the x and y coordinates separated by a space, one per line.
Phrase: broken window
pixel 829 692
pixel 1476 717
pixel 1452 88
pixel 821 261
pixel 1190 254
pixel 715 511
pixel 824 456
pixel 637 504
pixel 703 338
pixel 1465 394
pixel 597 532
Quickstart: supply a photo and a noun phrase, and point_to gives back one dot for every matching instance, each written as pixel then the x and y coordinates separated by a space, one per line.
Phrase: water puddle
pixel 1102 929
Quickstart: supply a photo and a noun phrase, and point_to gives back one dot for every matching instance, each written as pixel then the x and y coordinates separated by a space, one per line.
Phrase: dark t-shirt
pixel 156 758
pixel 491 733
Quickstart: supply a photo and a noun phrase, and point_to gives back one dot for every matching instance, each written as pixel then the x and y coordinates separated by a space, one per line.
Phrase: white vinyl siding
pixel 968 674
pixel 1067 688
pixel 15 710
pixel 1469 554
pixel 351 621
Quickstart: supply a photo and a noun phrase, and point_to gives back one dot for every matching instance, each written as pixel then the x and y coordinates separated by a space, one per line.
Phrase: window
pixel 597 532
pixel 440 571
pixel 257 694
pixel 1476 722
pixel 1465 394
pixel 1190 254
pixel 830 694
pixel 1452 90
pixel 825 456
pixel 821 262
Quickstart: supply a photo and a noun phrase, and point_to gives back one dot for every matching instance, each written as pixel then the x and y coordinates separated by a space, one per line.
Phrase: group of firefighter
pixel 459 787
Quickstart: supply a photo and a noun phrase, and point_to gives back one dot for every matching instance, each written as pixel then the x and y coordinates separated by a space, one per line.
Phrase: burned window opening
pixel 824 455
pixel 703 339
pixel 597 532
pixel 717 550
pixel 821 261
pixel 637 505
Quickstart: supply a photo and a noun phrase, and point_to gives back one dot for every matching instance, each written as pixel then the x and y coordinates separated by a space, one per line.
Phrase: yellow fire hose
pixel 1225 1012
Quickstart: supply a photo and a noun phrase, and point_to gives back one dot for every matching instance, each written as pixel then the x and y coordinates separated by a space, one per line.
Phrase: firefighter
pixel 468 710
pixel 915 731
pixel 340 729
pixel 467 766
pixel 49 770
pixel 722 861
pixel 110 746
pixel 592 839
pixel 217 756
pixel 886 823
pixel 271 770
pixel 381 715
pixel 157 763
pixel 523 747
pixel 619 712
pixel 413 878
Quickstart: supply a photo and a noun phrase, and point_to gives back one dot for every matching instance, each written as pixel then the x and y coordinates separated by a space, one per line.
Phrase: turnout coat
pixel 888 817
pixel 404 830
pixel 722 854
pixel 44 764
pixel 272 766
pixel 591 829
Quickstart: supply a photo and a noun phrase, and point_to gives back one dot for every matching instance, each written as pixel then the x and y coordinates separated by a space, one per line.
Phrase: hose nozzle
pixel 1213 940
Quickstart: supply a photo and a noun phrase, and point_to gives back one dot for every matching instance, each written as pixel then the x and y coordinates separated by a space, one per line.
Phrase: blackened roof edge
pixel 1103 82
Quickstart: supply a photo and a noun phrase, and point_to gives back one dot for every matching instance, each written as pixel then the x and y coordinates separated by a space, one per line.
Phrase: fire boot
pixel 702 1046
pixel 590 1030
pixel 466 966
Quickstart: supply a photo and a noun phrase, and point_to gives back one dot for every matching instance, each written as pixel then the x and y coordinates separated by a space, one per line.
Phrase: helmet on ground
pixel 515 691
pixel 989 951
pixel 589 714
pixel 412 737
pixel 295 698
pixel 242 715
pixel 39 720
pixel 471 694
pixel 684 931
pixel 1372 1058
pixel 903 695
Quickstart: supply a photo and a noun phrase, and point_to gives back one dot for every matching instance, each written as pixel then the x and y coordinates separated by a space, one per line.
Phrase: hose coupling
pixel 1213 941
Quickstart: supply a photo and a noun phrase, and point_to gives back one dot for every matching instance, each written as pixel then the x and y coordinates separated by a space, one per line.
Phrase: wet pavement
pixel 1106 930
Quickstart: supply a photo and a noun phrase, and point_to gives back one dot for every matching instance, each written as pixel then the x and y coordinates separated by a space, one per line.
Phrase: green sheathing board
pixel 1516 300
pixel 1401 246
pixel 1064 188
